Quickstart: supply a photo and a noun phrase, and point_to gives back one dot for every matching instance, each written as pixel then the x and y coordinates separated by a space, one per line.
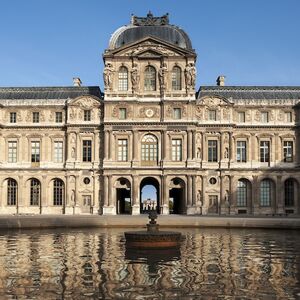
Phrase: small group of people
pixel 149 204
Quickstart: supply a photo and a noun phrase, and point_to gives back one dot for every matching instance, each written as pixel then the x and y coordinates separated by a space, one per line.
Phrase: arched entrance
pixel 149 195
pixel 177 204
pixel 123 204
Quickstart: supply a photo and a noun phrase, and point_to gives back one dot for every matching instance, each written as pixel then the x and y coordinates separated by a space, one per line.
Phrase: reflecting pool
pixel 94 264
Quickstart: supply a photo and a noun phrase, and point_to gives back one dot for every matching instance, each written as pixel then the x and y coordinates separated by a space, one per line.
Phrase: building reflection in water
pixel 94 264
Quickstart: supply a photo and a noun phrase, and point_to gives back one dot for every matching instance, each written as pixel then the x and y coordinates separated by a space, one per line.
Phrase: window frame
pixel 212 115
pixel 150 82
pixel 58 117
pixel 87 115
pixel 35 192
pixel 265 193
pixel 264 151
pixel 35 151
pixel 87 151
pixel 149 149
pixel 241 113
pixel 288 149
pixel 264 117
pixel 176 78
pixel 122 113
pixel 122 149
pixel 212 150
pixel 242 151
pixel 177 113
pixel 58 192
pixel 12 117
pixel 58 152
pixel 12 151
pixel 176 149
pixel 123 79
pixel 12 192
pixel 35 117
pixel 241 193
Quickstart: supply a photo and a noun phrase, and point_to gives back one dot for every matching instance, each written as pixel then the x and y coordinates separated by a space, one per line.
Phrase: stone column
pixel 77 206
pixel 44 204
pixel 232 193
pixel 105 191
pixel 135 147
pixel 96 148
pixel 165 195
pixel 21 194
pixel 189 194
pixel 255 195
pixel 106 144
pixel 279 197
pixel 194 199
pixel 135 195
pixel 96 204
pixel 204 204
pixel 190 144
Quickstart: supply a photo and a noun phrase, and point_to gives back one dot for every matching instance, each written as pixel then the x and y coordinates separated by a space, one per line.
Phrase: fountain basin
pixel 152 240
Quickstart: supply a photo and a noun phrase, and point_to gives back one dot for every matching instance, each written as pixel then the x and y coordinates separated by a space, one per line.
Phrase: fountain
pixel 152 238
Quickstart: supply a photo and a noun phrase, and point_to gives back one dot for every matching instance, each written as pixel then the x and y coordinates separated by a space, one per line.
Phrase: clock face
pixel 149 112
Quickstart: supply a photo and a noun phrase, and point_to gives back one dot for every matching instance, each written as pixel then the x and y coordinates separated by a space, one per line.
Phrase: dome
pixel 158 27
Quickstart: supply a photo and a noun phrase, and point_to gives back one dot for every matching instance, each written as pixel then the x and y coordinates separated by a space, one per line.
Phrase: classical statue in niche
pixel 72 113
pixel 226 153
pixel 199 153
pixel 227 201
pixel 73 198
pixel 73 152
pixel 162 72
pixel 135 77
pixel 108 76
pixel 190 76
pixel 199 203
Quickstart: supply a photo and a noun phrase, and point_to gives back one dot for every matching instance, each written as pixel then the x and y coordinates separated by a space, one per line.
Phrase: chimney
pixel 221 80
pixel 76 81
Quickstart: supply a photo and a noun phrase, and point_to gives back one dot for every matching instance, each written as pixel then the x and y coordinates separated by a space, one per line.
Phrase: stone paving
pixel 183 221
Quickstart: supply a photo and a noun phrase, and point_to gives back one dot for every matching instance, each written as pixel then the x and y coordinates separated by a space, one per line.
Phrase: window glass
pixel 87 115
pixel 265 151
pixel 241 117
pixel 12 151
pixel 122 113
pixel 265 193
pixel 87 150
pixel 176 79
pixel 35 151
pixel 123 79
pixel 122 150
pixel 212 151
pixel 35 117
pixel 212 115
pixel 242 193
pixel 177 113
pixel 150 79
pixel 288 151
pixel 241 151
pixel 264 117
pixel 58 152
pixel 13 117
pixel 176 149
pixel 58 117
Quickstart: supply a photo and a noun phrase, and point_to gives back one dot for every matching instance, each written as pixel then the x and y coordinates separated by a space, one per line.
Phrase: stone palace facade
pixel 219 150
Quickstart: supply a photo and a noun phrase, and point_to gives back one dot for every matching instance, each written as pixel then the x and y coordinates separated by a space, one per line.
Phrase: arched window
pixel 123 79
pixel 150 79
pixel 289 192
pixel 58 192
pixel 265 192
pixel 35 192
pixel 149 149
pixel 12 192
pixel 242 193
pixel 176 79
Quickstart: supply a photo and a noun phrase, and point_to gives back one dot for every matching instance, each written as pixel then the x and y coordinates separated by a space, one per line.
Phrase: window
pixel 87 115
pixel 288 151
pixel 58 117
pixel 13 117
pixel 35 192
pixel 35 152
pixel 122 113
pixel 58 192
pixel 58 152
pixel 242 193
pixel 265 193
pixel 12 189
pixel 289 192
pixel 123 79
pixel 149 148
pixel 12 151
pixel 264 117
pixel 177 149
pixel 212 115
pixel 35 117
pixel 87 150
pixel 150 79
pixel 288 117
pixel 265 151
pixel 212 151
pixel 177 113
pixel 176 79
pixel 241 151
pixel 122 150
pixel 241 117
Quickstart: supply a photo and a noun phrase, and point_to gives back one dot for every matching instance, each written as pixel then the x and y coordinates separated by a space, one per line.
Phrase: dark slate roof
pixel 48 92
pixel 150 26
pixel 251 92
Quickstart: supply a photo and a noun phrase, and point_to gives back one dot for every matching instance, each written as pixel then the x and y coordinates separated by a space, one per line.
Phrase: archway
pixel 177 203
pixel 123 202
pixel 149 195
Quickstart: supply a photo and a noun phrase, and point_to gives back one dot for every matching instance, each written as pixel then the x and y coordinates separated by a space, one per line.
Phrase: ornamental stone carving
pixel 148 112
pixel 257 116
pixel 199 113
pixel 135 77
pixel 280 116
pixel 115 111
pixel 190 76
pixel 176 105
pixel 108 73
pixel 225 113
pixel 72 113
pixel 162 72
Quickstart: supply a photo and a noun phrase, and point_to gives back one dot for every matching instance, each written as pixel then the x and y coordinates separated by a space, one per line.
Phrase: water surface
pixel 94 264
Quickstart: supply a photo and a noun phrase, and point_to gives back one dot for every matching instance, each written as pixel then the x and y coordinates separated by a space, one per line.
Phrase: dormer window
pixel 150 79
pixel 87 115
pixel 264 117
pixel 35 117
pixel 122 113
pixel 212 115
pixel 13 117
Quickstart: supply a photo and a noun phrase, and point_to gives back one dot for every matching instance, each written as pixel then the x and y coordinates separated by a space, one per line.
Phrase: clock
pixel 149 112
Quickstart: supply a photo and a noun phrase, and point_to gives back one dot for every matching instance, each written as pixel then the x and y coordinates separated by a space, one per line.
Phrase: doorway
pixel 149 195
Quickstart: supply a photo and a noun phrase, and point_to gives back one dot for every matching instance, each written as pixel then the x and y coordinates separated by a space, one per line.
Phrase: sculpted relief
pixel 190 74
pixel 108 74
pixel 149 112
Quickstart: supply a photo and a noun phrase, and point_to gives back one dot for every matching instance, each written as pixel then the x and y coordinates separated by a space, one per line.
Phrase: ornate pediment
pixel 214 101
pixel 85 102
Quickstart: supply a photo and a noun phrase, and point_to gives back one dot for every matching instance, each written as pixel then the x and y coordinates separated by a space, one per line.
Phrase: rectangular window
pixel 122 113
pixel 265 151
pixel 264 117
pixel 58 117
pixel 58 152
pixel 241 151
pixel 87 150
pixel 87 115
pixel 212 115
pixel 241 117
pixel 288 151
pixel 35 117
pixel 12 151
pixel 212 151
pixel 177 150
pixel 122 150
pixel 288 117
pixel 13 117
pixel 35 152
pixel 177 113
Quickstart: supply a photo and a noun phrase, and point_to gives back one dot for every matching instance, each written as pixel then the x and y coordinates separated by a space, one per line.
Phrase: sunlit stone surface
pixel 93 264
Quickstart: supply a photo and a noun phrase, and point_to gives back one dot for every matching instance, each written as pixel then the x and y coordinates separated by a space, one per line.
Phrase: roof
pixel 251 92
pixel 140 28
pixel 71 92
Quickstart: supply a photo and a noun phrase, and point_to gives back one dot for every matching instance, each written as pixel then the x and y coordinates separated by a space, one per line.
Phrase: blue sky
pixel 48 42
